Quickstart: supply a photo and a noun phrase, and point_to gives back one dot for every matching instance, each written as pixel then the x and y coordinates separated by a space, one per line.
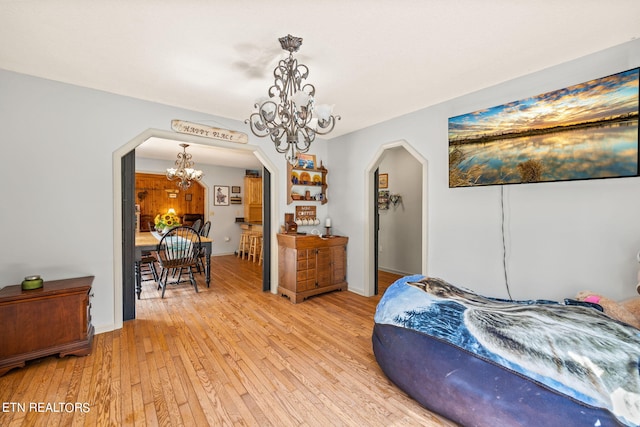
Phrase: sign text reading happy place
pixel 209 132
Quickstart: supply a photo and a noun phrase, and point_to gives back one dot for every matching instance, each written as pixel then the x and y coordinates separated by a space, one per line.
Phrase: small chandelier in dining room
pixel 185 172
pixel 290 116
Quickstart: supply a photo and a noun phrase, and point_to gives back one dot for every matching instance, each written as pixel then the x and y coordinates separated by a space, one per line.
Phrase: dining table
pixel 148 241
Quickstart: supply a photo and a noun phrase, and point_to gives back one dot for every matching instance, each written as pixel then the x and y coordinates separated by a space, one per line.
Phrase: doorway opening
pixel 121 231
pixel 414 190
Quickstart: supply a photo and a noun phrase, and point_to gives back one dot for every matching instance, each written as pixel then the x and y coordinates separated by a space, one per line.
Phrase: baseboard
pixel 105 328
pixel 356 291
pixel 401 273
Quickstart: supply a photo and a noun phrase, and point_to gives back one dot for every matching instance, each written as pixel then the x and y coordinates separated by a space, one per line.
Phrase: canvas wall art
pixel 585 131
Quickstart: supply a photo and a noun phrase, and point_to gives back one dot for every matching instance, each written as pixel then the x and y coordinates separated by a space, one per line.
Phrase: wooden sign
pixel 306 212
pixel 209 132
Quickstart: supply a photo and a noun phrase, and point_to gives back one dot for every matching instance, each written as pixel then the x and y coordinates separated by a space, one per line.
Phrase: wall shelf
pixel 307 185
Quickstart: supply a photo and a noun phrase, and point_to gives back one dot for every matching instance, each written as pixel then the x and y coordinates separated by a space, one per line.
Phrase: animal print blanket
pixel 577 351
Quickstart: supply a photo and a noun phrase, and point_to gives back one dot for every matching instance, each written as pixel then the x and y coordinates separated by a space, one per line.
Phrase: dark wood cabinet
pixel 55 319
pixel 311 265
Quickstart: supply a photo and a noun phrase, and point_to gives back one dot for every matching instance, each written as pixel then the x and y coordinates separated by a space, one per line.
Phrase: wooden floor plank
pixel 229 355
pixel 138 415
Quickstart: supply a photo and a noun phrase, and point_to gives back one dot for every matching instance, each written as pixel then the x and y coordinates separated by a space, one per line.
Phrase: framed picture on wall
pixel 235 189
pixel 221 195
pixel 307 161
pixel 383 180
pixel 545 137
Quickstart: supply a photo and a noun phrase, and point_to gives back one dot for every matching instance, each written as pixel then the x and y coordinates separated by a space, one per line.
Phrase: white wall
pixel 400 234
pixel 222 218
pixel 561 237
pixel 58 141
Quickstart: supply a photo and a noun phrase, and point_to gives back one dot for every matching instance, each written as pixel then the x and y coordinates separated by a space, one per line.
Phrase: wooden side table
pixel 55 319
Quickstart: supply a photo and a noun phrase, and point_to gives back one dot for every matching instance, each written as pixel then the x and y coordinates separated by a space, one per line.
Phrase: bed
pixel 482 361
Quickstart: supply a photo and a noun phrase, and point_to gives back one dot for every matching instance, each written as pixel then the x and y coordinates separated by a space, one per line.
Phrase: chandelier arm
pixel 328 127
pixel 309 89
pixel 282 76
pixel 303 148
pixel 282 146
pixel 258 127
pixel 292 155
pixel 309 135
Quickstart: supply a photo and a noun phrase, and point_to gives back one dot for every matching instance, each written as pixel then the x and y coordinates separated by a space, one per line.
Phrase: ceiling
pixel 374 60
pixel 167 149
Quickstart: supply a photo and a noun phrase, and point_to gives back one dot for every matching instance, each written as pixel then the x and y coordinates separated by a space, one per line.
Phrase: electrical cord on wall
pixel 504 245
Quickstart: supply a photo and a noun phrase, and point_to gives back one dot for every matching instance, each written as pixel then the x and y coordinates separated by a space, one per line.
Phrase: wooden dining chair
pixel 178 250
pixel 148 261
pixel 148 266
pixel 196 225
pixel 204 232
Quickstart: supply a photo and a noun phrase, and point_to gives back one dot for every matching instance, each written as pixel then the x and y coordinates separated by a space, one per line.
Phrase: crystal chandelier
pixel 185 172
pixel 290 116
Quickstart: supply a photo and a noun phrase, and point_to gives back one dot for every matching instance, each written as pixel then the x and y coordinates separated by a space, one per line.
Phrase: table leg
pixel 207 268
pixel 138 278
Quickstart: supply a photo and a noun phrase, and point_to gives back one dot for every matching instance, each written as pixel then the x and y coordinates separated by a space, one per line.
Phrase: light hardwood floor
pixel 229 355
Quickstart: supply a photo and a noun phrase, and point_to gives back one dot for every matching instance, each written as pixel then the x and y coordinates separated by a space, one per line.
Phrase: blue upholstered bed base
pixel 480 361
pixel 472 391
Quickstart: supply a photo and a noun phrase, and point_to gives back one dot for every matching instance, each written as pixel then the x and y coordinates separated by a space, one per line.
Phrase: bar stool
pixel 261 251
pixel 254 246
pixel 243 247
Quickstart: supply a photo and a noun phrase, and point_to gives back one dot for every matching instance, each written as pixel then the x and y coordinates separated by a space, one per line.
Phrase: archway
pixel 117 203
pixel 370 272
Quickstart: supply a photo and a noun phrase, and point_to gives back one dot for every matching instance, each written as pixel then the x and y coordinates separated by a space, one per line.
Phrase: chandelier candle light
pixel 290 116
pixel 185 172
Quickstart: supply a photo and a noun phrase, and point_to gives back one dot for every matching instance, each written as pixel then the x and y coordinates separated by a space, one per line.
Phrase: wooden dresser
pixel 310 265
pixel 55 319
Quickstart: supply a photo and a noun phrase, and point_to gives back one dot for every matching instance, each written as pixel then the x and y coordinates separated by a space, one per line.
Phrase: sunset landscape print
pixel 589 130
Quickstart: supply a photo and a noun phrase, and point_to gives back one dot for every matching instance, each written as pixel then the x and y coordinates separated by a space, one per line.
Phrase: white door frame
pixel 370 199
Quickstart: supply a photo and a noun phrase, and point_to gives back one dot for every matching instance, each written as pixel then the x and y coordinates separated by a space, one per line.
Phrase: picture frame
pixel 221 195
pixel 188 197
pixel 543 138
pixel 235 189
pixel 307 161
pixel 383 180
